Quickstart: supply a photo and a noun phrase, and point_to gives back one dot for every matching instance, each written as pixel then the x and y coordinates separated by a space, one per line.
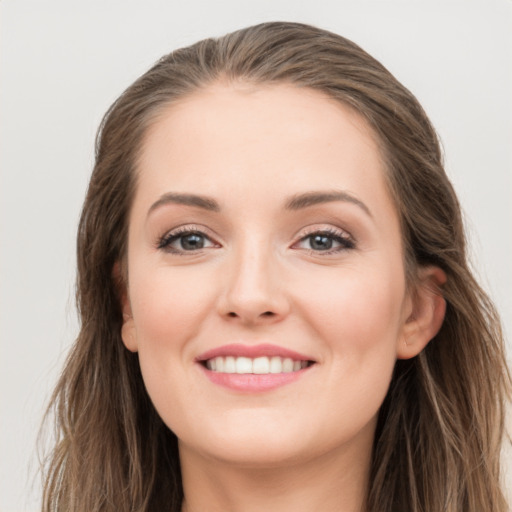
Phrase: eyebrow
pixel 299 201
pixel 296 202
pixel 206 203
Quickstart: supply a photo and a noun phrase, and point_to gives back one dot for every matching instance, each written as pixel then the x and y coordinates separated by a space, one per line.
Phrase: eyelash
pixel 346 241
pixel 164 243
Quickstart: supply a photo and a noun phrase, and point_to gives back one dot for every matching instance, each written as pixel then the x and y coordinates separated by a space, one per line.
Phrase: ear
pixel 128 332
pixel 427 310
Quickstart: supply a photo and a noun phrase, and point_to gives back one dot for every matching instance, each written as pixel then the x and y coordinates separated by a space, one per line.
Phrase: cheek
pixel 355 316
pixel 358 312
pixel 167 305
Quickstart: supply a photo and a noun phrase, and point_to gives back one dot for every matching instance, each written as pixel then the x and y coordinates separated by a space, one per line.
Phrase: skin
pixel 258 279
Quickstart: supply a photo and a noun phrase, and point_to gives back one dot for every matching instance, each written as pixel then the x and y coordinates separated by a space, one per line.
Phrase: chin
pixel 268 444
pixel 256 454
pixel 248 443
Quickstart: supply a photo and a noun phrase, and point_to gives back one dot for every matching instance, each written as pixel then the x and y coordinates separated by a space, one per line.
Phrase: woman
pixel 276 307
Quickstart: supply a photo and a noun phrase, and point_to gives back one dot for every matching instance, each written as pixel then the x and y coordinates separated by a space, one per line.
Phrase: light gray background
pixel 63 62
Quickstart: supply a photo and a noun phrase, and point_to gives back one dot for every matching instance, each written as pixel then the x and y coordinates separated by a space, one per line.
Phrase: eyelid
pixel 323 228
pixel 162 240
pixel 342 235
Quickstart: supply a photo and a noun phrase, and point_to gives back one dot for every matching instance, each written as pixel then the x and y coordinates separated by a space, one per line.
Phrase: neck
pixel 332 482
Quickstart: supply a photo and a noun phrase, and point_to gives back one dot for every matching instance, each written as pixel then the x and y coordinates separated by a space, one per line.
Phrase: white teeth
pixel 259 365
pixel 229 365
pixel 287 365
pixel 243 365
pixel 276 365
pixel 219 364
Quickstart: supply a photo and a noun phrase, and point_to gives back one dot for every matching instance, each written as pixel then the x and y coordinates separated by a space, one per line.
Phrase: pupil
pixel 321 242
pixel 190 242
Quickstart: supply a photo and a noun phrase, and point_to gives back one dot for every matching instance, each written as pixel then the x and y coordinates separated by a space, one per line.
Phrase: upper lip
pixel 252 351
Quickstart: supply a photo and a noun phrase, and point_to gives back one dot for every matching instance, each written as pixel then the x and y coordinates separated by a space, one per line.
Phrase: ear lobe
pixel 128 332
pixel 428 311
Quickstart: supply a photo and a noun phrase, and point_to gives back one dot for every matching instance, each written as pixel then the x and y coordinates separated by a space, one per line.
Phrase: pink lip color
pixel 250 382
pixel 252 351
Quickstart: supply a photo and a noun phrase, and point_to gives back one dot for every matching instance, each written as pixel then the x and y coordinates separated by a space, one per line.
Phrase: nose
pixel 253 292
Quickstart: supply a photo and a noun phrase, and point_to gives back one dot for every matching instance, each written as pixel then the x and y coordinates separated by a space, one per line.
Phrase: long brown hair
pixel 440 429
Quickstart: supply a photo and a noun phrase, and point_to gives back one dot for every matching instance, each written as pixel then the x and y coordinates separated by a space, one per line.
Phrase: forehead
pixel 283 111
pixel 243 140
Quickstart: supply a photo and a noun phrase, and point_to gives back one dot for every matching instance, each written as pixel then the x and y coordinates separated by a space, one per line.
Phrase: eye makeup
pixel 190 239
pixel 186 239
pixel 326 241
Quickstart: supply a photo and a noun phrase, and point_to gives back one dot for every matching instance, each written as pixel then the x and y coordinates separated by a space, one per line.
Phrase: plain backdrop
pixel 62 64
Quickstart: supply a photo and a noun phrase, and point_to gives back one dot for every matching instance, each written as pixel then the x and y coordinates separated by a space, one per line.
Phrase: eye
pixel 185 240
pixel 326 241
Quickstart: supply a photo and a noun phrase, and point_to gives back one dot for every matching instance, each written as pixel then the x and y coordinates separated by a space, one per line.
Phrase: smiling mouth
pixel 257 366
pixel 247 369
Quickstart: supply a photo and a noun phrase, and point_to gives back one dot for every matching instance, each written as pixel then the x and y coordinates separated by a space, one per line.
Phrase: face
pixel 266 293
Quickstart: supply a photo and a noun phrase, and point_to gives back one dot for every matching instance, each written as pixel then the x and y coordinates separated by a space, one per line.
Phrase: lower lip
pixel 253 383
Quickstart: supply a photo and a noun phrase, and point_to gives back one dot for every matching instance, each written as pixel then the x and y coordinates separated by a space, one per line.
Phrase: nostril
pixel 232 314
